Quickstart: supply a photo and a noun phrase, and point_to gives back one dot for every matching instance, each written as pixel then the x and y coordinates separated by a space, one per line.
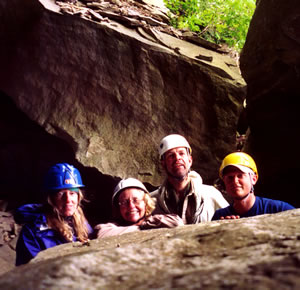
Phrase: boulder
pixel 8 237
pixel 98 84
pixel 270 64
pixel 261 252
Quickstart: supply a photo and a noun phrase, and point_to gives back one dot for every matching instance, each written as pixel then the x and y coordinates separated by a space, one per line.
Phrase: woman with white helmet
pixel 60 220
pixel 132 208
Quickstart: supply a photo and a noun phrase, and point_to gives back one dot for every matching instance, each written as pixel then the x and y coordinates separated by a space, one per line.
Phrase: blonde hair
pixel 56 222
pixel 150 204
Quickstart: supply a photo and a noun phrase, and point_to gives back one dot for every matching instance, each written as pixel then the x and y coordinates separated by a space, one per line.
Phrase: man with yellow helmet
pixel 239 174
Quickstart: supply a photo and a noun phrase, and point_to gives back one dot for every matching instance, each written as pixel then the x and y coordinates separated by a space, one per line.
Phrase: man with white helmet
pixel 239 174
pixel 183 192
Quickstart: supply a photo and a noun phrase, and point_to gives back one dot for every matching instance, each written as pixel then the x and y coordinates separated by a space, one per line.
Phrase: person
pixel 132 210
pixel 60 220
pixel 239 174
pixel 183 192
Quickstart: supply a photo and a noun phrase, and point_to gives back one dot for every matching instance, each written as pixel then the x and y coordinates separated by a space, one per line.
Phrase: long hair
pixel 56 222
pixel 149 207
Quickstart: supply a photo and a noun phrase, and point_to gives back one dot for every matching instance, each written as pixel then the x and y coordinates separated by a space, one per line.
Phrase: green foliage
pixel 219 21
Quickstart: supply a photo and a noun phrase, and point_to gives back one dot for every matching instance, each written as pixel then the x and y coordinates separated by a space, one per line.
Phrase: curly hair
pixel 56 222
pixel 150 204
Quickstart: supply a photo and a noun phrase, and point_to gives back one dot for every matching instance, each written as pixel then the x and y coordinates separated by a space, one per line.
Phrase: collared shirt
pixel 174 201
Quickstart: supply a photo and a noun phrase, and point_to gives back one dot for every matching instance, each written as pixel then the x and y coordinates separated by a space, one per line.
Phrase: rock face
pixel 262 252
pixel 8 238
pixel 270 64
pixel 81 84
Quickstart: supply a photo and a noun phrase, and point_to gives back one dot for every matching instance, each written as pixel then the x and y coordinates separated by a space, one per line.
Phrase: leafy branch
pixel 219 21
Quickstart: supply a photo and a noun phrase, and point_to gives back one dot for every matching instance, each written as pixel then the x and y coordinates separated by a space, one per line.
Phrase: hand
pixel 161 221
pixel 230 217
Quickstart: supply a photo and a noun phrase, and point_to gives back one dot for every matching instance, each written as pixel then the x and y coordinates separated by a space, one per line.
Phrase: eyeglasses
pixel 126 202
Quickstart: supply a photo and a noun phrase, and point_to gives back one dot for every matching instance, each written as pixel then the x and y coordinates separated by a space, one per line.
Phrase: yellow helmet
pixel 240 160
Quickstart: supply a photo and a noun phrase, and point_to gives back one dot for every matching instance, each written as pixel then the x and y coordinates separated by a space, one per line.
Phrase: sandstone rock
pixel 7 259
pixel 100 94
pixel 261 252
pixel 115 94
pixel 8 233
pixel 7 228
pixel 270 64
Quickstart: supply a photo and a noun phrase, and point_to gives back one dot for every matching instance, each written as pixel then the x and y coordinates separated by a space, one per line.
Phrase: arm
pixel 162 221
pixel 224 213
pixel 27 246
pixel 110 229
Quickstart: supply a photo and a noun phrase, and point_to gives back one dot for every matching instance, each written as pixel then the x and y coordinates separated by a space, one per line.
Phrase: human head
pixel 239 174
pixel 62 184
pixel 175 156
pixel 126 191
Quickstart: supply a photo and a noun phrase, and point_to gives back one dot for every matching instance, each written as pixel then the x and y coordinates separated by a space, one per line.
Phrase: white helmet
pixel 128 183
pixel 172 141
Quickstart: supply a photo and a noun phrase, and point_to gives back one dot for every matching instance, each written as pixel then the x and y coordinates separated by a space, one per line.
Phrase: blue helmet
pixel 61 176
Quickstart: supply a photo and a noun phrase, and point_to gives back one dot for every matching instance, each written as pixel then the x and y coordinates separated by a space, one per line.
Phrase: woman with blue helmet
pixel 60 220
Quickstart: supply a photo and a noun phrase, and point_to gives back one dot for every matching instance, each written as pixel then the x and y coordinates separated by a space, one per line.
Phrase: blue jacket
pixel 35 235
pixel 261 205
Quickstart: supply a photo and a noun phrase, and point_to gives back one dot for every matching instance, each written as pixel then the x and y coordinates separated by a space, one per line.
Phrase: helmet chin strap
pixel 252 186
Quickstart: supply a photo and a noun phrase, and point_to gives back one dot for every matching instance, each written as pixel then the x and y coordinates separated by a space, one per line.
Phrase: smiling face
pixel 132 204
pixel 66 201
pixel 237 183
pixel 177 162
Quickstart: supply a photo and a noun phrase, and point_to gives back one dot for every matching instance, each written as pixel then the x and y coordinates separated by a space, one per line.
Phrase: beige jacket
pixel 199 204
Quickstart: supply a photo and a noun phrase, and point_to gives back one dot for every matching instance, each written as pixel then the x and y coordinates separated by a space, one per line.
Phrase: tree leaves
pixel 219 21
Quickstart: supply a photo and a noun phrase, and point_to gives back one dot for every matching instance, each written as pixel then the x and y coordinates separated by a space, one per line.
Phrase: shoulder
pixel 210 189
pixel 272 205
pixel 198 186
pixel 209 192
pixel 28 213
pixel 195 177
